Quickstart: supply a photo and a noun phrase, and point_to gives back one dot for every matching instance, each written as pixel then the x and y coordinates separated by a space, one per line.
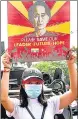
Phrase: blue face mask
pixel 33 90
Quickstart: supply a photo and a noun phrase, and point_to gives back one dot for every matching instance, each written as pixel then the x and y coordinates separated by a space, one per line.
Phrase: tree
pixel 50 66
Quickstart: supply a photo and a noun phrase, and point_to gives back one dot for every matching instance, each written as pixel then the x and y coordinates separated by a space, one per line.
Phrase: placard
pixel 38 30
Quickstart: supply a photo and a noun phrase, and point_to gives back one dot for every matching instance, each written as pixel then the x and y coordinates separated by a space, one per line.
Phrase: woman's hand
pixel 6 60
pixel 71 57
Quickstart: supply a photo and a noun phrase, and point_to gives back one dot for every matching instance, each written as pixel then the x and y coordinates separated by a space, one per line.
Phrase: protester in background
pixel 32 103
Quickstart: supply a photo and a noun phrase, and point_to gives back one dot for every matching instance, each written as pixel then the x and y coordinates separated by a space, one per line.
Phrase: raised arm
pixel 5 100
pixel 70 95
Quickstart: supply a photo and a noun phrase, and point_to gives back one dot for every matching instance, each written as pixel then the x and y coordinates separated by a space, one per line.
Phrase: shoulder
pixel 31 35
pixel 16 109
pixel 53 34
pixel 55 101
pixel 16 101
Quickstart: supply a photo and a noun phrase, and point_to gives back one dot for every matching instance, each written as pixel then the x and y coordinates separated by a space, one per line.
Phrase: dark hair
pixel 24 98
pixel 32 9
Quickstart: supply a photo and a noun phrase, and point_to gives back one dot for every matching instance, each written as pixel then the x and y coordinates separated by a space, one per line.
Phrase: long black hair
pixel 24 98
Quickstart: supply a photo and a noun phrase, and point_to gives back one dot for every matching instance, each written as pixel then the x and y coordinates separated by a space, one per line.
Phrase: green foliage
pixel 50 66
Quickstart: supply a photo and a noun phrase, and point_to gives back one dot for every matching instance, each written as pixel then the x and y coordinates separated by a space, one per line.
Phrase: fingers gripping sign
pixel 7 61
pixel 71 56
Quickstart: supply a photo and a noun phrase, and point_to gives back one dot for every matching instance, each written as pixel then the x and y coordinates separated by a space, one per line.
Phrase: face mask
pixel 33 90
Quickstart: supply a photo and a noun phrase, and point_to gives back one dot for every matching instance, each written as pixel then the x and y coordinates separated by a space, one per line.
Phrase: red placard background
pixel 42 48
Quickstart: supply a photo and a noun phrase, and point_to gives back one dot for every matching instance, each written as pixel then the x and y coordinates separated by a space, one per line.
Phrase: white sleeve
pixel 55 103
pixel 16 103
